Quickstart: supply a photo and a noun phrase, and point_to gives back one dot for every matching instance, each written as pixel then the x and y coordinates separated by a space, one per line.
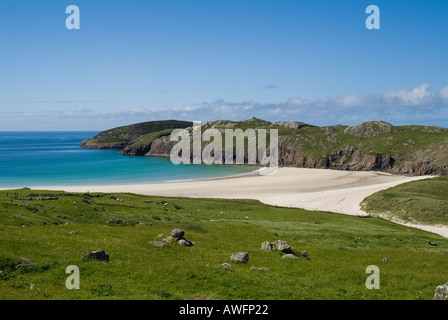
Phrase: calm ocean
pixel 30 159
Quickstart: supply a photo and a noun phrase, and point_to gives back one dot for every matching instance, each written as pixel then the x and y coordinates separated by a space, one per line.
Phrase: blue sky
pixel 132 61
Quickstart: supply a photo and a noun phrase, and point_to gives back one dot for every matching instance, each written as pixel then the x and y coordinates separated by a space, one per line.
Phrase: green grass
pixel 340 247
pixel 423 201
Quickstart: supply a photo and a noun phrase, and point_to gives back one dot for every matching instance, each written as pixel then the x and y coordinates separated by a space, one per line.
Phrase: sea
pixel 30 159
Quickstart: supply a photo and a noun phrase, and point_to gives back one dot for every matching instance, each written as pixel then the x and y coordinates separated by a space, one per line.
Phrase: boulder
pixel 97 255
pixel 282 246
pixel 226 265
pixel 239 257
pixel 385 260
pixel 178 233
pixel 266 246
pixel 185 242
pixel 441 292
pixel 73 233
pixel 432 243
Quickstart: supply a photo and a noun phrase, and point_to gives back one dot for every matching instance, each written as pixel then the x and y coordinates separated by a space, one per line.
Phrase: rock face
pixel 441 292
pixel 97 255
pixel 239 257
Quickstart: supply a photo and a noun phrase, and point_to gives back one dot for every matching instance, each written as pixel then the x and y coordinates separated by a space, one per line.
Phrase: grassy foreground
pixel 422 201
pixel 37 224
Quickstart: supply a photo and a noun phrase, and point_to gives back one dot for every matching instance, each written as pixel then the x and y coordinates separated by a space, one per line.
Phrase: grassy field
pixel 423 202
pixel 37 224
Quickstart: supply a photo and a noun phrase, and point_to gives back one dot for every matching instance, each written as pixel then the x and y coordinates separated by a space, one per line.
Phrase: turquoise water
pixel 30 159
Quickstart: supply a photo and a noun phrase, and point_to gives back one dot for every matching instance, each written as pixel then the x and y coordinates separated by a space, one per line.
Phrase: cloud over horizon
pixel 418 105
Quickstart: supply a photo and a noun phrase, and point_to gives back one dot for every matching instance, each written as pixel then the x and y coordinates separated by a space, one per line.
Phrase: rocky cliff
pixel 370 146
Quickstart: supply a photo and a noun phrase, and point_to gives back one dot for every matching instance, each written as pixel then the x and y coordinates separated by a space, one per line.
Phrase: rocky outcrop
pixel 292 124
pixel 370 129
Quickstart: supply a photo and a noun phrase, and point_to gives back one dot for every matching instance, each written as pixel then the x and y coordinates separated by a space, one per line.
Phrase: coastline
pixel 310 189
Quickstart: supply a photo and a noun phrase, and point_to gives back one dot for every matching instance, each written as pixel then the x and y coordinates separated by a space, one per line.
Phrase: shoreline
pixel 310 189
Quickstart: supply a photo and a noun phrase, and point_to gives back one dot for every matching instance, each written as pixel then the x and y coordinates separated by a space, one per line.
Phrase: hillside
pixel 373 145
pixel 422 202
pixel 120 137
pixel 56 229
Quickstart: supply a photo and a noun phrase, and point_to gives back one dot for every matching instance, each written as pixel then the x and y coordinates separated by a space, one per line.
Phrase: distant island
pixel 370 146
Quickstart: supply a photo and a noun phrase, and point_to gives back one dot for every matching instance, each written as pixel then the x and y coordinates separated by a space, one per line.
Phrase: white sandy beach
pixel 311 189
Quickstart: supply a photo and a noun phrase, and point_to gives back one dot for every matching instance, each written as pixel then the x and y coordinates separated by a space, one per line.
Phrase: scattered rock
pixel 178 233
pixel 290 256
pixel 239 257
pixel 385 260
pixel 260 269
pixel 97 255
pixel 168 239
pixel 282 246
pixel 158 243
pixel 62 217
pixel 24 262
pixel 306 255
pixel 432 243
pixel 266 246
pixel 441 292
pixel 185 242
pixel 226 265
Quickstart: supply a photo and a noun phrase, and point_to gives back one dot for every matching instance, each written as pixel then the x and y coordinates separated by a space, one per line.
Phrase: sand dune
pixel 311 189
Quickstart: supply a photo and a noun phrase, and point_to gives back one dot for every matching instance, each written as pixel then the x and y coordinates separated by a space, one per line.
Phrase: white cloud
pixel 415 106
pixel 443 94
pixel 418 96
